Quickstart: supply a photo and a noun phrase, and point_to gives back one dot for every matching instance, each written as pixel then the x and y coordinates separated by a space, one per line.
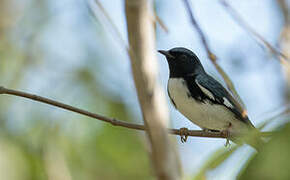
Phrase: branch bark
pixel 142 53
pixel 112 121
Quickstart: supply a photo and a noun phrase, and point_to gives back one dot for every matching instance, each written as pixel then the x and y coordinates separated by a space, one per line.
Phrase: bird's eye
pixel 182 57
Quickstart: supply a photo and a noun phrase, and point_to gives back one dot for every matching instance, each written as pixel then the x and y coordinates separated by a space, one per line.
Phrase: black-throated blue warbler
pixel 202 99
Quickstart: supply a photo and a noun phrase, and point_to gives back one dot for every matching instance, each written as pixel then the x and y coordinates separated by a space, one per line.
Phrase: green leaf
pixel 273 162
pixel 215 160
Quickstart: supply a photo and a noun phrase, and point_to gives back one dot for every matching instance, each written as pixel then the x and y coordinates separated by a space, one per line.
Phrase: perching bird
pixel 202 99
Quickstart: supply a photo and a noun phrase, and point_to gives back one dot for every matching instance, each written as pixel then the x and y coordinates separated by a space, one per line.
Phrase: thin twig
pixel 210 54
pixel 267 121
pixel 285 44
pixel 114 27
pixel 112 121
pixel 284 7
pixel 160 22
pixel 235 15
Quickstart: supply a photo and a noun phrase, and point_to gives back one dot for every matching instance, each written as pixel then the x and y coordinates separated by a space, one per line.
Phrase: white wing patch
pixel 227 103
pixel 205 91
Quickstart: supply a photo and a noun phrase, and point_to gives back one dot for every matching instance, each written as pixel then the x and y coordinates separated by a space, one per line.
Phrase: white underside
pixel 205 115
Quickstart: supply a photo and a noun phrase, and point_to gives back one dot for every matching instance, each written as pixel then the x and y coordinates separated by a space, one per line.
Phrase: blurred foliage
pixel 215 160
pixel 273 161
pixel 56 49
pixel 42 142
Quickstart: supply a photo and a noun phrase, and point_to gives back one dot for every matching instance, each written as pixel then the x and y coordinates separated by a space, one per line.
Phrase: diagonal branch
pixel 92 5
pixel 235 15
pixel 210 54
pixel 112 121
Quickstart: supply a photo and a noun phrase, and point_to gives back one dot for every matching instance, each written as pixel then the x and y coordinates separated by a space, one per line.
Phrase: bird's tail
pixel 257 143
pixel 253 138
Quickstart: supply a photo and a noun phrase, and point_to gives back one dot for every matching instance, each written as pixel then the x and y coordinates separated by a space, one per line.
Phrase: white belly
pixel 203 114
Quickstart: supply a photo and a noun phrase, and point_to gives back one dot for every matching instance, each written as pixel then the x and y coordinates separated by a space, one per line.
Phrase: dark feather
pixel 219 93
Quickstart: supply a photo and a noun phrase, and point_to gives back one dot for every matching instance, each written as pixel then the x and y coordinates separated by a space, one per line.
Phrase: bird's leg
pixel 227 143
pixel 226 132
pixel 183 134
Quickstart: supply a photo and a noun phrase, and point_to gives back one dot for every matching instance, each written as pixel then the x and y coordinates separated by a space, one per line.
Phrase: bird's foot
pixel 227 144
pixel 183 134
pixel 227 134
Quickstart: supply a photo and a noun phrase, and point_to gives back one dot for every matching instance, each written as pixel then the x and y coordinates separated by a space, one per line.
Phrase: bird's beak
pixel 166 53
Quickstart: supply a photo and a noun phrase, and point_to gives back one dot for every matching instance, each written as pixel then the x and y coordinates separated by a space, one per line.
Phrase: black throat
pixel 184 72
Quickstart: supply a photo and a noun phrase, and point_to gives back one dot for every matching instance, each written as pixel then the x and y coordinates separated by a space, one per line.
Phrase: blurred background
pixel 70 51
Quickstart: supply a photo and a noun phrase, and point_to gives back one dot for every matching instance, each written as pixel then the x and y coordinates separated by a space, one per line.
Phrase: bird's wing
pixel 219 95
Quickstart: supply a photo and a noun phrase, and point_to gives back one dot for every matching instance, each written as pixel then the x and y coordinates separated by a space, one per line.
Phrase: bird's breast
pixel 204 114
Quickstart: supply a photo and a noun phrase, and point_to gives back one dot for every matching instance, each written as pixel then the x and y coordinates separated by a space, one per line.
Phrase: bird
pixel 201 98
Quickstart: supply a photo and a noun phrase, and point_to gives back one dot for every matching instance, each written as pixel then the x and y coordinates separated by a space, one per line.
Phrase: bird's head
pixel 182 62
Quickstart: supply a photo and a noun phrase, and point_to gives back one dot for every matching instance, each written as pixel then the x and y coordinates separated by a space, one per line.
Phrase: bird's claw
pixel 227 144
pixel 227 134
pixel 183 134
